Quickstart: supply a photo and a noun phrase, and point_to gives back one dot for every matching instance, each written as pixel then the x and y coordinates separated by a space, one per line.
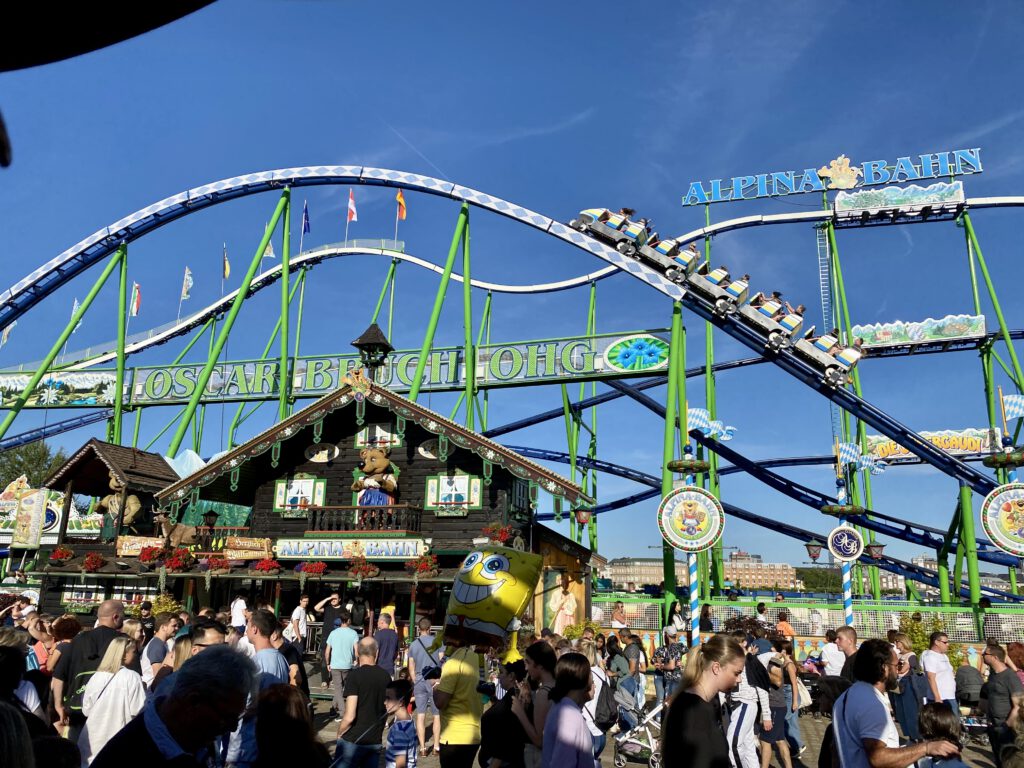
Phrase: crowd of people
pixel 232 688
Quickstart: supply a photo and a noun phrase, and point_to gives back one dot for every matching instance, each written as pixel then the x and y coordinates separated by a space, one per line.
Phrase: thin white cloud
pixel 541 130
pixel 971 135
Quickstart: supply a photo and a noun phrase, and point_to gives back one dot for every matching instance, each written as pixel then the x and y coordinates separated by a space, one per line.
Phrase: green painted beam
pixel 229 321
pixel 435 314
pixel 76 318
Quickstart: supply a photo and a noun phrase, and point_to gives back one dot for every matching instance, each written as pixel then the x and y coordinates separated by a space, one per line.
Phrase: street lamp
pixel 209 521
pixel 373 347
pixel 814 549
pixel 874 550
pixel 582 515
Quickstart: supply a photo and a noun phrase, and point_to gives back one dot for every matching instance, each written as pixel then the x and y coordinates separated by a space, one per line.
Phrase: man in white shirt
pixel 939 671
pixel 864 731
pixel 299 624
pixel 238 610
pixel 831 656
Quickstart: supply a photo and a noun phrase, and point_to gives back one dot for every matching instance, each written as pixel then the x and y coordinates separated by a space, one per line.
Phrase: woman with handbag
pixel 912 685
pixel 114 695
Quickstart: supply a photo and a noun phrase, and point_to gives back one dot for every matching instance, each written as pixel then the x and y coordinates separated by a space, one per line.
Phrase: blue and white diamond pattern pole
pixel 691 562
pixel 847 586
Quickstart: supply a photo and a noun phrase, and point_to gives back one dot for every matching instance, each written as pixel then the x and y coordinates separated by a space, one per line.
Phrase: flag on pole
pixel 352 215
pixel 186 284
pixel 74 309
pixel 400 198
pixel 136 303
pixel 305 217
pixel 268 252
pixel 226 267
pixel 1014 406
pixel 849 453
pixel 7 332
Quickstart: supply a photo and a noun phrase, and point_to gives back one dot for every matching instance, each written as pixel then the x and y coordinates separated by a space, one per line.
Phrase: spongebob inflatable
pixel 491 590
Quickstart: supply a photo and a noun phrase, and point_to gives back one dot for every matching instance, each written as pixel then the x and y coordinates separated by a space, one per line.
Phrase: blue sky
pixel 558 108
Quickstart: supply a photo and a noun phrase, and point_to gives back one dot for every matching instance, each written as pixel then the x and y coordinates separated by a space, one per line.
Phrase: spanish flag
pixel 401 205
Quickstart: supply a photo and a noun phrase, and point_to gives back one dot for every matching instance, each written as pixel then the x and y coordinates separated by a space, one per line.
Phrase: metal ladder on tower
pixel 827 311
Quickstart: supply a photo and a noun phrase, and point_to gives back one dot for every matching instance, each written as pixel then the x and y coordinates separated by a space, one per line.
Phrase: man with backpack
pixel 422 660
pixel 80 661
pixel 750 702
pixel 601 712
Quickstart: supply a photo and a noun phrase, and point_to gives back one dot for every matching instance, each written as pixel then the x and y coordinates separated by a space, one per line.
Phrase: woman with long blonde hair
pixel 182 652
pixel 114 695
pixel 692 732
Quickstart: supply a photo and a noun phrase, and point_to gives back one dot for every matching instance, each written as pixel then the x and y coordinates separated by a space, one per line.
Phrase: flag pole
pixel 397 209
pixel 180 299
pixel 348 220
pixel 1002 408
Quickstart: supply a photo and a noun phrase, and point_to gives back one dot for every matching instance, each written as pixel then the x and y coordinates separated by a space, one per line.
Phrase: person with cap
pixel 668 664
pixel 147 621
pixel 340 656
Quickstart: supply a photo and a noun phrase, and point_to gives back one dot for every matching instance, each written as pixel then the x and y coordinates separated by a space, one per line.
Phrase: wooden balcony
pixel 398 517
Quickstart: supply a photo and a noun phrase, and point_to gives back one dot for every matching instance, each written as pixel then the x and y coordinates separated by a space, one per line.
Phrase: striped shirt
pixel 402 740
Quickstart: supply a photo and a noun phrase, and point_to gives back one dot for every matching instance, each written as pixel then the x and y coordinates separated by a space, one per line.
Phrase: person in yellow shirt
pixel 461 708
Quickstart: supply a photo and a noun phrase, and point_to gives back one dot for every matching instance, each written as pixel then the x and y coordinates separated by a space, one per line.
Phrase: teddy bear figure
pixel 377 485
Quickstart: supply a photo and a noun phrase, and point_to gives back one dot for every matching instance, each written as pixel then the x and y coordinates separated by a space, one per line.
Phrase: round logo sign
pixel 690 519
pixel 845 543
pixel 1002 515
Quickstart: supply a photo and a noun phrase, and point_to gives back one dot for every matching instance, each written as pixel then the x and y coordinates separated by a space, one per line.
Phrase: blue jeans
pixel 349 755
pixel 793 735
pixel 599 742
pixel 663 688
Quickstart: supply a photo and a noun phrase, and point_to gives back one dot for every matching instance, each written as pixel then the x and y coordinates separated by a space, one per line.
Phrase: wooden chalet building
pixel 436 486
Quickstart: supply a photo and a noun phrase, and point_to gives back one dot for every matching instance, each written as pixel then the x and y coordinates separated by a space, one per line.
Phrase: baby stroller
pixel 640 734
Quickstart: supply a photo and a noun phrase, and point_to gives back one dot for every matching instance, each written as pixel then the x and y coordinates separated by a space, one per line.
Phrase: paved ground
pixel 975 755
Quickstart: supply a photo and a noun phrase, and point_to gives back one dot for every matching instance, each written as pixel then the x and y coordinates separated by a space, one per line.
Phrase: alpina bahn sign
pixel 838 174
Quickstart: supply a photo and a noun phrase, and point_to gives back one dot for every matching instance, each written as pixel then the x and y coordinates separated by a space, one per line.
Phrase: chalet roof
pixel 91 467
pixel 355 388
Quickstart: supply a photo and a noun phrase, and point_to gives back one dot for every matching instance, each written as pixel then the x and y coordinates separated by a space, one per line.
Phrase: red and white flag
pixel 352 216
pixel 136 303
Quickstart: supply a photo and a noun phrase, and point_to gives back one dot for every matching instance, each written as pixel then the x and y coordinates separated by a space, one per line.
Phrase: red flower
pixel 61 553
pixel 152 554
pixel 178 560
pixel 498 533
pixel 267 565
pixel 217 563
pixel 360 568
pixel 93 562
pixel 422 565
pixel 314 569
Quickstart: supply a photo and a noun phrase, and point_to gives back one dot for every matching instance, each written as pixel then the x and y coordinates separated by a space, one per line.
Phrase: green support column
pixel 1003 329
pixel 1012 573
pixel 970 544
pixel 44 366
pixel 122 324
pixel 469 351
pixel 283 372
pixel 676 377
pixel 229 321
pixel 942 570
pixel 138 424
pixel 435 314
pixel 717 567
pixel 844 310
pixel 942 558
pixel 958 563
pixel 240 416
pixel 298 321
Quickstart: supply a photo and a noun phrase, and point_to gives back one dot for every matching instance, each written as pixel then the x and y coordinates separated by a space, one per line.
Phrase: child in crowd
pixel 937 722
pixel 402 740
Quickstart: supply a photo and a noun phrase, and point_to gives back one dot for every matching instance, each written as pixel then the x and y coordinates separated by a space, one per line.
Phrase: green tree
pixel 36 461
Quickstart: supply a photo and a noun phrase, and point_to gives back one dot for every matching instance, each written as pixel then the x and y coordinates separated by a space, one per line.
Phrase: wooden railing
pixel 397 517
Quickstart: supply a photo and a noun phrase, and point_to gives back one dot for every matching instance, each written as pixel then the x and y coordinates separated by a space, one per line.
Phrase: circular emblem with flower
pixel 639 352
pixel 691 519
pixel 845 543
pixel 1002 515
